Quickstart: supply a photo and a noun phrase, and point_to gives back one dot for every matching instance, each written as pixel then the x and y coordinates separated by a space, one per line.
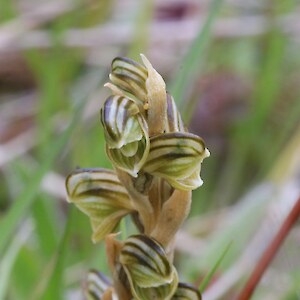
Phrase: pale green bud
pixel 126 134
pixel 177 157
pixel 150 274
pixel 100 195
pixel 129 76
pixel 145 86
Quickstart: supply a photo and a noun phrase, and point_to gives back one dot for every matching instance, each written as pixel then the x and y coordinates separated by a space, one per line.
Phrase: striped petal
pixel 96 285
pixel 177 157
pixel 148 268
pixel 130 77
pixel 174 121
pixel 186 292
pixel 100 195
pixel 126 134
pixel 164 291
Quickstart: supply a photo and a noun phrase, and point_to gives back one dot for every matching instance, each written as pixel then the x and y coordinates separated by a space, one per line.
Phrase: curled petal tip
pixel 206 153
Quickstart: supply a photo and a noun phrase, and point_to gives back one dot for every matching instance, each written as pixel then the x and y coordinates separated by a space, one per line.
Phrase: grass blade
pixel 211 273
pixel 10 256
pixel 194 57
pixel 27 196
pixel 54 279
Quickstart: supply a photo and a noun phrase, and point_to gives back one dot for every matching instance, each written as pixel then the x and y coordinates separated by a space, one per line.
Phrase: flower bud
pixel 177 157
pixel 126 134
pixel 145 86
pixel 150 274
pixel 130 77
pixel 100 195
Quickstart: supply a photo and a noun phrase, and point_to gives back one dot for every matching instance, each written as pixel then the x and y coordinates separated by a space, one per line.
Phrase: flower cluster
pixel 156 163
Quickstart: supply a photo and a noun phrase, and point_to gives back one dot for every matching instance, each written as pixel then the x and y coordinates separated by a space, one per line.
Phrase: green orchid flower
pixel 99 194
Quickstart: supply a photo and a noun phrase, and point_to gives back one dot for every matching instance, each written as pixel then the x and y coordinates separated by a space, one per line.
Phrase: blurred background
pixel 233 67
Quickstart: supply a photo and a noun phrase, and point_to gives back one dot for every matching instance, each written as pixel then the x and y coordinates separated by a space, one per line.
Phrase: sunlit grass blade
pixel 210 274
pixel 193 59
pixel 141 29
pixel 43 210
pixel 50 285
pixel 27 196
pixel 7 261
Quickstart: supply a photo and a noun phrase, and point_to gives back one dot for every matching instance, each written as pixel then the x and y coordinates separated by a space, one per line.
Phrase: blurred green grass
pixel 53 259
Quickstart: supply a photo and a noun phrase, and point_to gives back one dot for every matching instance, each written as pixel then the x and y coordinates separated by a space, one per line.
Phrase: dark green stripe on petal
pixel 119 117
pixel 186 292
pixel 130 77
pixel 150 274
pixel 100 195
pixel 174 123
pixel 177 157
pixel 146 262
pixel 126 134
pixel 96 285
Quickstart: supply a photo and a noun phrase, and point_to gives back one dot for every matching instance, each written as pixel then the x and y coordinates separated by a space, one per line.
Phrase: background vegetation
pixel 234 69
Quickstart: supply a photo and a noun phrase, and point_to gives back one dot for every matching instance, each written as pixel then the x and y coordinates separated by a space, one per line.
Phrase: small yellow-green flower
pixel 100 195
pixel 126 134
pixel 150 274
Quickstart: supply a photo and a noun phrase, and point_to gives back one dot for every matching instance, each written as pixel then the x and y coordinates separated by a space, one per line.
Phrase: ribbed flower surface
pixel 96 285
pixel 130 77
pixel 175 157
pixel 149 271
pixel 175 154
pixel 100 195
pixel 126 134
pixel 157 163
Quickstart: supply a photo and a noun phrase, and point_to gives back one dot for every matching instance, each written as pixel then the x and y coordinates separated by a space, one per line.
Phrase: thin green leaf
pixel 194 57
pixel 8 260
pixel 51 284
pixel 211 273
pixel 141 29
pixel 42 210
pixel 27 196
